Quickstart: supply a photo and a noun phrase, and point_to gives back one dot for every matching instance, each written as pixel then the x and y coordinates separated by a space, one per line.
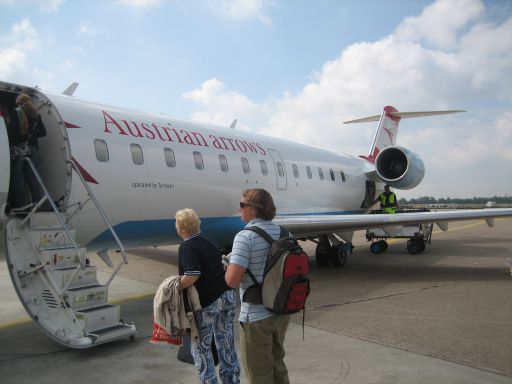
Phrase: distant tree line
pixel 447 200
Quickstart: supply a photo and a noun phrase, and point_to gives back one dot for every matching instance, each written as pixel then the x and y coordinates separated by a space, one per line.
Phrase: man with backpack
pixel 262 332
pixel 25 128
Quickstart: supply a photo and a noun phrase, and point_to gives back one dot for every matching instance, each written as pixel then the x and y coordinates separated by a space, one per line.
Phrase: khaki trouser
pixel 262 350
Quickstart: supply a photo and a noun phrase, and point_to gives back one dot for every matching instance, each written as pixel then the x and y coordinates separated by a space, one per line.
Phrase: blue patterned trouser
pixel 215 322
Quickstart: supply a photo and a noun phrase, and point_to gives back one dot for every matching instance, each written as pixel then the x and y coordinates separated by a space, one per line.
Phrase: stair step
pixel 99 318
pixel 44 220
pixel 64 257
pixel 117 332
pixel 51 238
pixel 84 277
pixel 87 297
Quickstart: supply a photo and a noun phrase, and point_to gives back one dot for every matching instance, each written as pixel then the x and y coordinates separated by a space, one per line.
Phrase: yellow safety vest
pixel 387 202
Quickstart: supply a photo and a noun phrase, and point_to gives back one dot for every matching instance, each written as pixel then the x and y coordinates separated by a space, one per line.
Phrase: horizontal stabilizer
pixel 403 115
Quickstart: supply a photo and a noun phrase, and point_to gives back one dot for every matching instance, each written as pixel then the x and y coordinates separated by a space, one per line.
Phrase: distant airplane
pixel 113 179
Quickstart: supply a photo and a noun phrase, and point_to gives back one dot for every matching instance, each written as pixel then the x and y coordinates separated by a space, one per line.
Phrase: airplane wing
pixel 303 226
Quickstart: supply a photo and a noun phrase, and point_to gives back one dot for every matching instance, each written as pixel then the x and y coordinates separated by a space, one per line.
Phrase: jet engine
pixel 399 167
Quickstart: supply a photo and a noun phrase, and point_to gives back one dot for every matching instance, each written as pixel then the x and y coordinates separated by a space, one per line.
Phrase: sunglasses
pixel 243 205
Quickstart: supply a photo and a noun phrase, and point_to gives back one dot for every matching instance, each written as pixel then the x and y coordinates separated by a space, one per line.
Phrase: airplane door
pixel 5 163
pixel 280 169
pixel 369 196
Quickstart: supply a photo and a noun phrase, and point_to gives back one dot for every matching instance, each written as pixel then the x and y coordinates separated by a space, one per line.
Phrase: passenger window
pixel 280 170
pixel 295 170
pixel 101 148
pixel 264 169
pixel 223 163
pixel 342 175
pixel 137 156
pixel 170 160
pixel 245 165
pixel 308 170
pixel 198 159
pixel 320 173
pixel 332 174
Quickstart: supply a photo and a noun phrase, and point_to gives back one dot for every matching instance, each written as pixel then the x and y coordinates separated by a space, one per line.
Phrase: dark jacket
pixel 36 130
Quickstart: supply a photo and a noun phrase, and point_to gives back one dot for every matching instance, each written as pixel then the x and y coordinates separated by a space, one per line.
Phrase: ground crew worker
pixel 388 201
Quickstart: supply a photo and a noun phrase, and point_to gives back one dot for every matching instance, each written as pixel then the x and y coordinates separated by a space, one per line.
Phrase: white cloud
pixel 220 106
pixel 440 22
pixel 140 3
pixel 486 52
pixel 242 9
pixel 448 57
pixel 21 40
pixel 51 5
pixel 11 60
pixel 44 5
pixel 87 28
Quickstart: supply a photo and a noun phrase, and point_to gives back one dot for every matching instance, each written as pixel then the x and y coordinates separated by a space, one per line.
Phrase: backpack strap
pixel 283 233
pixel 267 238
pixel 261 232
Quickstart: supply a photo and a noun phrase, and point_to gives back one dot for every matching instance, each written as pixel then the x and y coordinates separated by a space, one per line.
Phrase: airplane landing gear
pixel 415 245
pixel 335 255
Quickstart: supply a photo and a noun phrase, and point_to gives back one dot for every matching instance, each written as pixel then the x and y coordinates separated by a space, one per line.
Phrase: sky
pixel 294 69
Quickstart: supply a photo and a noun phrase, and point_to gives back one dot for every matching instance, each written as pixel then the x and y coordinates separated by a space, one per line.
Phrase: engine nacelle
pixel 399 167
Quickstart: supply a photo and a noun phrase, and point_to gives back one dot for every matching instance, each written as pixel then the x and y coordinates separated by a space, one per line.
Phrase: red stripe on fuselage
pixel 86 175
pixel 69 125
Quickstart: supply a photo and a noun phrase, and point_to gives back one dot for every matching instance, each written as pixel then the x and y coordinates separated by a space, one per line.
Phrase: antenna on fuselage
pixel 69 91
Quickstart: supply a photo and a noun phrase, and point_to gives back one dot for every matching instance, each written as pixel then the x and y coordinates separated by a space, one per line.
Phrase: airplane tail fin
pixel 387 130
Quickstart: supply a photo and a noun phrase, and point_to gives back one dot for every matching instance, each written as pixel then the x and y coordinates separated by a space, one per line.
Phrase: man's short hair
pixel 188 220
pixel 262 201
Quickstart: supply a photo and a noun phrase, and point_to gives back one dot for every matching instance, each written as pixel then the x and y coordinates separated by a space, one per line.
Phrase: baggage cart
pixel 418 235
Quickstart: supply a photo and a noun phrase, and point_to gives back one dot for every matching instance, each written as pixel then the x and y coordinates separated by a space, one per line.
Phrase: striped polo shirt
pixel 250 251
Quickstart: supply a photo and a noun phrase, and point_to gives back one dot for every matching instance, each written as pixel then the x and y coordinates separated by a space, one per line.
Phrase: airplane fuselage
pixel 144 167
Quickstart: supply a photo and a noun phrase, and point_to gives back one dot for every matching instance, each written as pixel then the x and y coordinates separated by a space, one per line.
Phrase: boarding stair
pixel 54 278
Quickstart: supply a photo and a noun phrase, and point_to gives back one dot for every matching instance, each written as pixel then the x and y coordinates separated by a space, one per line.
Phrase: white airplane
pixel 113 179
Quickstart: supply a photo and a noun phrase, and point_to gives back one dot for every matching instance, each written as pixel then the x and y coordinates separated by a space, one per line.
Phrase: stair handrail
pixel 55 209
pixel 100 210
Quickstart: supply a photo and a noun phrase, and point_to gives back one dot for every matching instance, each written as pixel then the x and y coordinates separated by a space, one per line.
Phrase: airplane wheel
pixel 321 256
pixel 338 256
pixel 375 247
pixel 415 246
pixel 422 245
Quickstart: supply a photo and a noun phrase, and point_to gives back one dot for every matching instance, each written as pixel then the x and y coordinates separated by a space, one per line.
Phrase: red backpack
pixel 285 285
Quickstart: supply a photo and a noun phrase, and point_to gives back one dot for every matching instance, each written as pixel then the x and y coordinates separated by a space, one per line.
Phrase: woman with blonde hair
pixel 200 264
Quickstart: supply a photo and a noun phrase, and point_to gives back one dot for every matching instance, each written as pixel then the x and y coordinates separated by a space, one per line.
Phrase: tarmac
pixel 443 316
